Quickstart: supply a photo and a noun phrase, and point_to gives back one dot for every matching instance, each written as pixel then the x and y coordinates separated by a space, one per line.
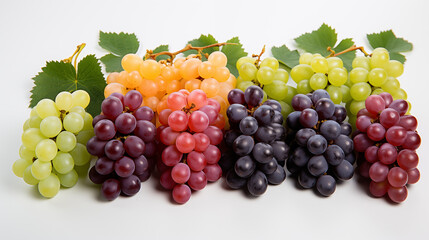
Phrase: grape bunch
pixel 267 75
pixel 321 149
pixel 53 142
pixel 257 151
pixel 155 80
pixel 190 134
pixel 387 140
pixel 124 143
pixel 374 75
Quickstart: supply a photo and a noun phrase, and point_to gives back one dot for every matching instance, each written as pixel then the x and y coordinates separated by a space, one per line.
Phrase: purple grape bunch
pixel 124 144
pixel 256 148
pixel 321 148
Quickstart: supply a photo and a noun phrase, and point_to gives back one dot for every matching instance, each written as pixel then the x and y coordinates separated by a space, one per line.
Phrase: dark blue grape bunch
pixel 256 148
pixel 321 148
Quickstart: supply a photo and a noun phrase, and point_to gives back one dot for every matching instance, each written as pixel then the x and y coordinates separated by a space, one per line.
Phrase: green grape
pixel 377 91
pixel 35 122
pixel 377 77
pixel 20 165
pixel 66 141
pixel 301 72
pixel 26 125
pixel 87 122
pixel 80 98
pixel 51 126
pixel 79 110
pixel 33 112
pixel 243 60
pixel 362 62
pixel 28 176
pixel 305 58
pixel 379 58
pixel 291 92
pixel 47 107
pixel 394 68
pixel 337 76
pixel 346 97
pixel 318 81
pixel 355 106
pixel 334 62
pixel 335 93
pixel 50 186
pixel 270 62
pixel 400 94
pixel 265 75
pixel 244 85
pixel 63 162
pixel 358 75
pixel 69 179
pixel 31 137
pixel 277 90
pixel 41 170
pixel 80 155
pixel 239 79
pixel 83 136
pixel 248 71
pixel 265 98
pixel 64 101
pixel 391 85
pixel 46 150
pixel 319 65
pixel 286 109
pixel 303 87
pixel 73 122
pixel 360 91
pixel 26 153
pixel 317 55
pixel 281 75
pixel 82 170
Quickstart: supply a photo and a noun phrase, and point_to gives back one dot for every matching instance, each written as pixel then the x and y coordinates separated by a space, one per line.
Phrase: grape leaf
pixel 319 40
pixel 285 56
pixel 161 48
pixel 119 45
pixel 202 41
pixel 233 53
pixel 60 76
pixel 393 44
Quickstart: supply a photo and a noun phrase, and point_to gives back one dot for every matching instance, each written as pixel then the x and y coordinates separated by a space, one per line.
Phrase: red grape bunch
pixel 190 132
pixel 124 143
pixel 388 140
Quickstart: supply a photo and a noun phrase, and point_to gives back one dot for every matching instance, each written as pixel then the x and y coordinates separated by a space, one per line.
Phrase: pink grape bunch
pixel 124 144
pixel 190 134
pixel 387 140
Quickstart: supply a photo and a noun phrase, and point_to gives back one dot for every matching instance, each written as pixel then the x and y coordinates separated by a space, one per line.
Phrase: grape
pixel 134 146
pixel 111 189
pixel 46 150
pixel 344 170
pixel 375 131
pixel 143 113
pixel 334 155
pixel 397 195
pixel 400 105
pixel 63 162
pixel 319 65
pixel 253 96
pixel 317 165
pixel 125 123
pixel 360 91
pixel 265 134
pixel 69 179
pixel 247 71
pixel 326 185
pixel 243 145
pixel 41 170
pixel 407 159
pixel 330 130
pixel 389 117
pixel 303 135
pixel 244 166
pixel 306 180
pixel 145 130
pixel 413 175
pixel 185 142
pixel 317 144
pixel 236 96
pixel 20 165
pixel 325 108
pixel 378 189
pixel 212 154
pixel 248 125
pixel 31 137
pixel 111 107
pixel 50 126
pixel 412 141
pixel 265 75
pixel 94 146
pixel 181 193
pixel 114 149
pixel 387 153
pixel 198 121
pixel 50 186
pixel 202 141
pixel 408 122
pixel 397 177
pixel 337 76
pixel 318 81
pixel 197 180
pixel 124 167
pixel 257 184
pixel 276 90
pixel 210 112
pixel 396 135
pixel 104 166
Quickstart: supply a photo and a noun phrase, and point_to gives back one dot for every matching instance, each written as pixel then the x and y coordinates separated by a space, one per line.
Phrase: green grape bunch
pixel 54 142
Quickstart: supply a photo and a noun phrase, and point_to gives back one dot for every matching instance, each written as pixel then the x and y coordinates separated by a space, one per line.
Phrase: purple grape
pixel 243 145
pixel 330 130
pixel 145 176
pixel 265 134
pixel 96 177
pixel 111 189
pixel 317 144
pixel 319 94
pixel 257 184
pixel 292 120
pixel 236 112
pixel 98 118
pixel 244 166
pixel 262 152
pixel 340 114
pixel 326 185
pixel 277 177
pixel 231 135
pixel 325 108
pixel 141 165
pixel 124 167
pixel 134 146
pixel 301 102
pixel 236 96
pixel 302 136
pixel 130 185
pixel 112 107
pixel 133 100
pixel 125 123
pixel 308 118
pixel 269 167
pixel 253 96
pixel 145 130
pixel 114 149
pixel 234 181
pixel 306 180
pixel 274 104
pixel 345 143
pixel 143 113
pixel 334 155
pixel 344 170
pixel 248 125
pixel 317 165
pixel 150 149
pixel 119 96
pixel 105 129
pixel 400 105
pixel 264 114
pixel 96 146
pixel 104 166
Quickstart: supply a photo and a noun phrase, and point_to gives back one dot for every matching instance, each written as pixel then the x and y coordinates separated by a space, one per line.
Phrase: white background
pixel 33 32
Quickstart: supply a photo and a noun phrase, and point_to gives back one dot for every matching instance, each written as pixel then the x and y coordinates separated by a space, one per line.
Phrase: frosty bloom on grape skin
pixel 53 143
pixel 124 143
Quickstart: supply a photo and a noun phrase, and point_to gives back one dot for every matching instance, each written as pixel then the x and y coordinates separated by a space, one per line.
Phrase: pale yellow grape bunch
pixel 53 142
pixel 374 74
pixel 317 72
pixel 156 80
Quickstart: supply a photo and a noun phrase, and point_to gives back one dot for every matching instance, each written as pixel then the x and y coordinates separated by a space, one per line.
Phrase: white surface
pixel 33 32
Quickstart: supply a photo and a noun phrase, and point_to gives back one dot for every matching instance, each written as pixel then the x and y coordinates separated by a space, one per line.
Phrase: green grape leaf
pixel 389 41
pixel 285 56
pixel 119 45
pixel 233 53
pixel 202 41
pixel 318 41
pixel 161 48
pixel 346 57
pixel 60 76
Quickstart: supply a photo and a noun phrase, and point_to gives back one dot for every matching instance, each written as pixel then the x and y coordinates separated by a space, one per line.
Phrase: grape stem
pixel 258 60
pixel 150 54
pixel 352 48
pixel 76 53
